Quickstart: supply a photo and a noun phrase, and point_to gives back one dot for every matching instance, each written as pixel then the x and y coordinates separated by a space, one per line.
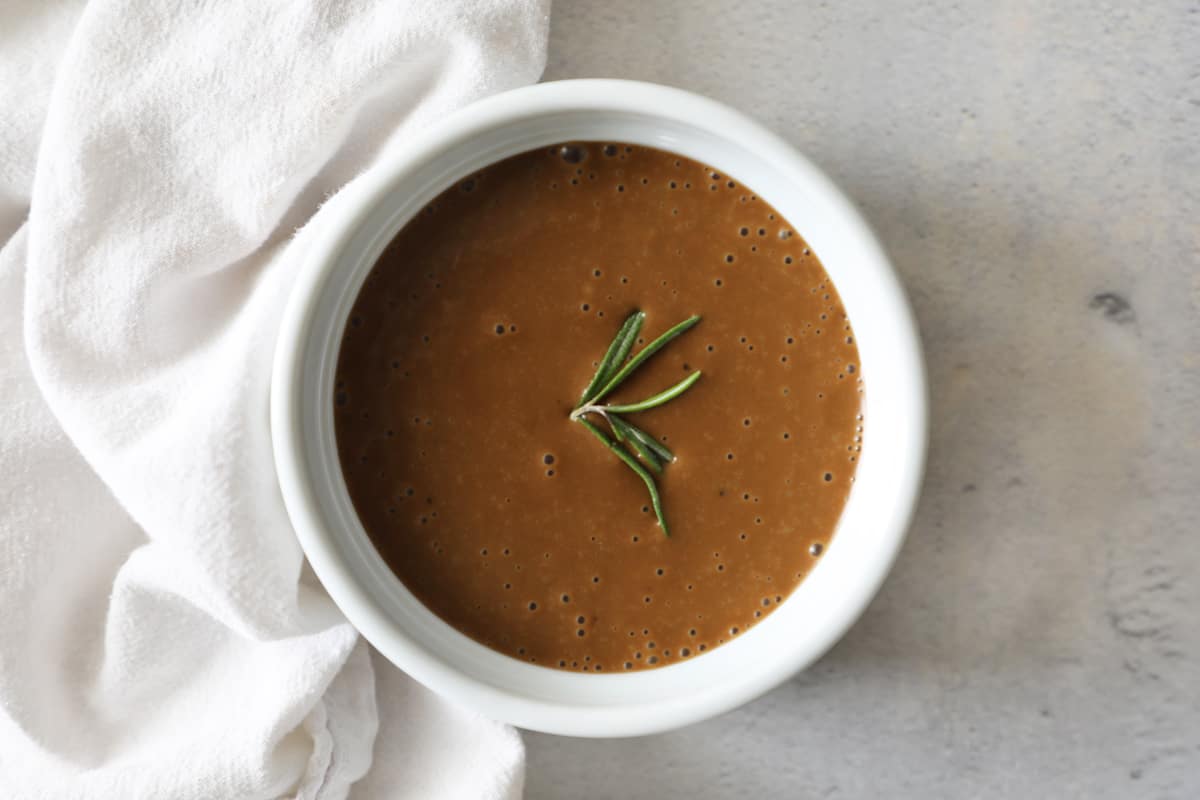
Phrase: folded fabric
pixel 161 637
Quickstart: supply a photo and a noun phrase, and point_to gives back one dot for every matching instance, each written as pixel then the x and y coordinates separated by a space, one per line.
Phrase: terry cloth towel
pixel 159 165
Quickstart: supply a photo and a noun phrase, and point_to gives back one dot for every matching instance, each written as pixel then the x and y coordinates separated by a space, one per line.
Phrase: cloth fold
pixel 160 164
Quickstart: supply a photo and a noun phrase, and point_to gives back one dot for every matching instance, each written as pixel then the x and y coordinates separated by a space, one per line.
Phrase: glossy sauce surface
pixel 470 344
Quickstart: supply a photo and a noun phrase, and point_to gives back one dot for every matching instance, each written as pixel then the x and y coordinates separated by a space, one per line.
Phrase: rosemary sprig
pixel 612 370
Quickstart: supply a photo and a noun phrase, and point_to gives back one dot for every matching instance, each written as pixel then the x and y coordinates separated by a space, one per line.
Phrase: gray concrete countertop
pixel 1034 170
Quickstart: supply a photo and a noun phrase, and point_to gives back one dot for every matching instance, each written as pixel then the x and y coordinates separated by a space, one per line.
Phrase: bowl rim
pixel 332 231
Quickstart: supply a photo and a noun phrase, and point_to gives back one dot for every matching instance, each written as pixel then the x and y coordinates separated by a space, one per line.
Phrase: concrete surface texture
pixel 1034 170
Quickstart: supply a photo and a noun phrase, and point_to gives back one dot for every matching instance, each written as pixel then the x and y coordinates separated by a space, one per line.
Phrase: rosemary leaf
pixel 659 448
pixel 624 430
pixel 632 463
pixel 617 352
pixel 635 362
pixel 658 399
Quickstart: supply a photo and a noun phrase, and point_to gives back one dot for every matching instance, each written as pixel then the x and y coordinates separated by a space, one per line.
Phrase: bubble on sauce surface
pixel 572 154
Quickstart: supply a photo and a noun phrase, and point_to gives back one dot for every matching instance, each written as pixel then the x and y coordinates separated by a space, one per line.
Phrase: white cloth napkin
pixel 159 636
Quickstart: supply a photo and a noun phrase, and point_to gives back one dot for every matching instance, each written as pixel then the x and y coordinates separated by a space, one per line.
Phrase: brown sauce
pixel 470 343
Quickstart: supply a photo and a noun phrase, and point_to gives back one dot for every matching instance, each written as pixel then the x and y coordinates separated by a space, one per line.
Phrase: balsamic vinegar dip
pixel 470 344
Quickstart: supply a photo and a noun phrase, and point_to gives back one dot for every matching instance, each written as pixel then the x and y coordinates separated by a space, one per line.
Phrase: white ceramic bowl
pixel 349 239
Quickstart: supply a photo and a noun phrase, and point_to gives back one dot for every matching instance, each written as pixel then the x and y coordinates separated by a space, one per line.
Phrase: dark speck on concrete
pixel 968 487
pixel 1114 307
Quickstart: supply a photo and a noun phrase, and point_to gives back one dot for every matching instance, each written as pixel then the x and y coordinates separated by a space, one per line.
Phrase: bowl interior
pixel 870 529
